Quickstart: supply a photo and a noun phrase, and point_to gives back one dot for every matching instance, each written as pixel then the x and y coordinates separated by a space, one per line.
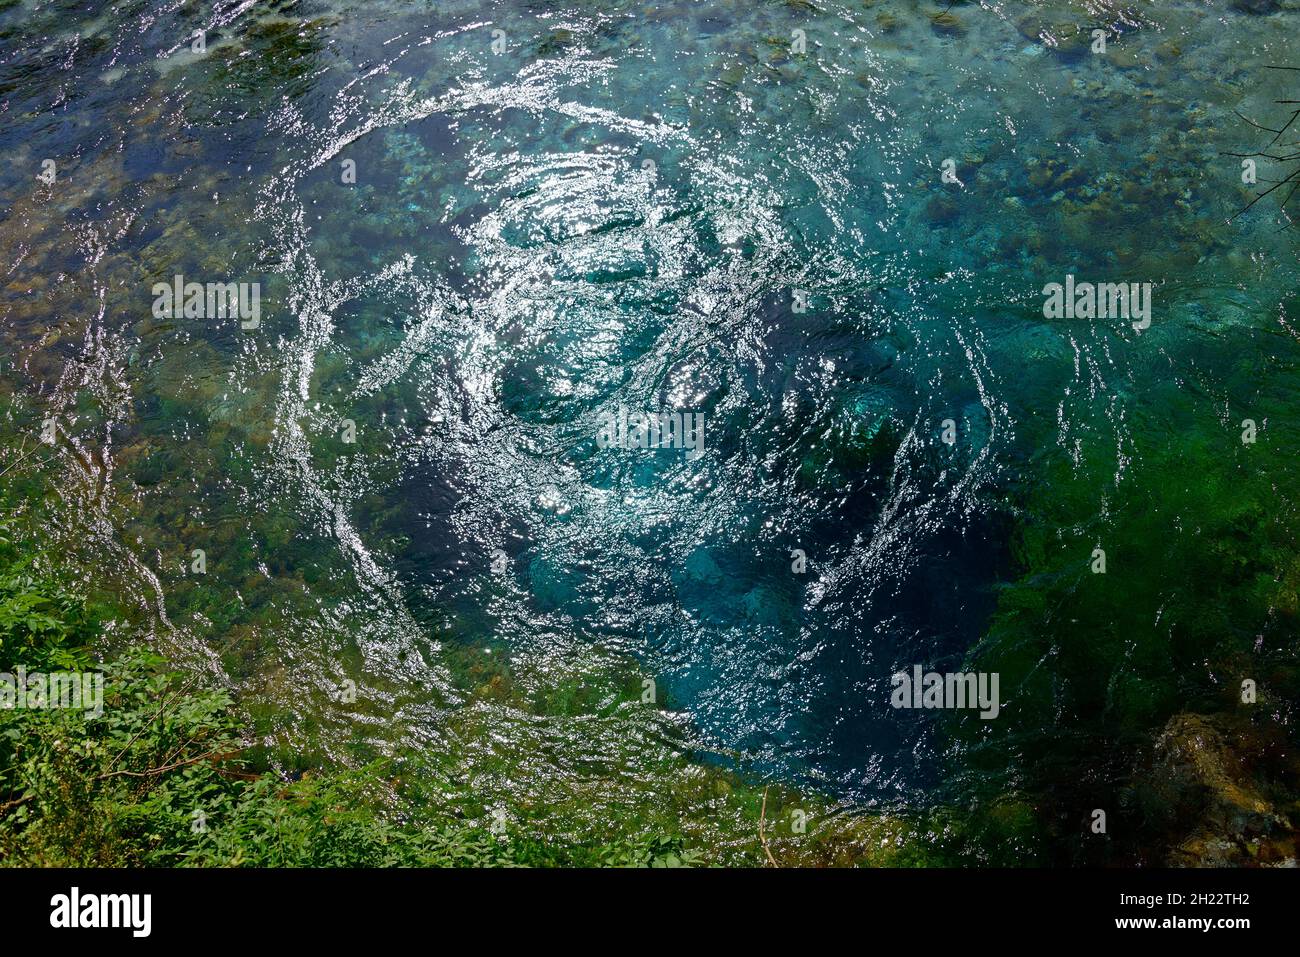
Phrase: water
pixel 616 210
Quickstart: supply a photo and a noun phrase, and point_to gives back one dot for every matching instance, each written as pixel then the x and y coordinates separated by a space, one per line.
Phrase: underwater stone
pixel 1123 57
pixel 946 23
pixel 941 210
pixel 1200 775
pixel 1071 40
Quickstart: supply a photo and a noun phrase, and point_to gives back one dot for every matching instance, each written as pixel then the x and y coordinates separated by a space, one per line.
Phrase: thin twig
pixel 22 458
pixel 14 803
pixel 152 772
pixel 1292 179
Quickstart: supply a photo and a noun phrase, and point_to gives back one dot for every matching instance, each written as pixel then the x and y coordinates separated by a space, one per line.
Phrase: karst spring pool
pixel 401 493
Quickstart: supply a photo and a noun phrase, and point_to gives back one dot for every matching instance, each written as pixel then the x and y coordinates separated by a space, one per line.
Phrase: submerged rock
pixel 888 22
pixel 1208 773
pixel 946 23
pixel 1064 38
pixel 941 210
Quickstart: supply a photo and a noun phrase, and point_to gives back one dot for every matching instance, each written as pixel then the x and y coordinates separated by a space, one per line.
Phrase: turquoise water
pixel 617 210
